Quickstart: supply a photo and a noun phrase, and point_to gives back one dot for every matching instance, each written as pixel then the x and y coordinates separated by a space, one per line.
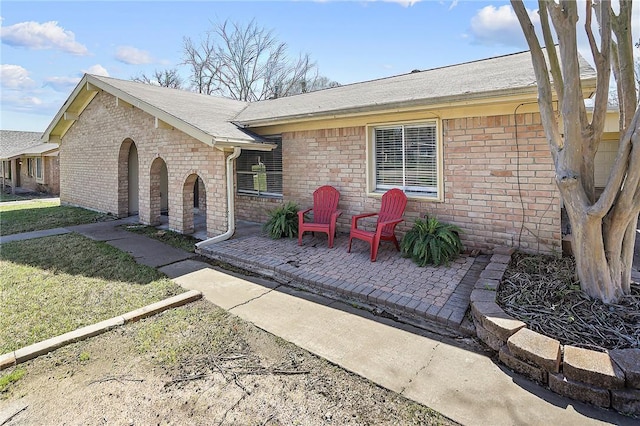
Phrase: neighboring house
pixel 27 163
pixel 465 142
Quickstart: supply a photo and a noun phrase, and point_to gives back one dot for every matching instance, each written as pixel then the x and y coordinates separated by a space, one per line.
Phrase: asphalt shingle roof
pixel 479 79
pixel 13 142
pixel 211 114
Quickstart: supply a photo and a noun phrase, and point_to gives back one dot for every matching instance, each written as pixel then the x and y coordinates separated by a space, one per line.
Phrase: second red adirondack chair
pixel 325 213
pixel 392 208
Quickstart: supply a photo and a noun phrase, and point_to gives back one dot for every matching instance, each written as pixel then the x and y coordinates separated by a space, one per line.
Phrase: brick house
pixel 465 143
pixel 27 163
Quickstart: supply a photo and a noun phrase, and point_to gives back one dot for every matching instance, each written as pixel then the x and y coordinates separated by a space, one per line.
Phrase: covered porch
pixel 430 297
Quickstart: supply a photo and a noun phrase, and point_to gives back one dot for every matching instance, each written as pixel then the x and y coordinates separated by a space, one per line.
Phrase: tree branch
pixel 549 43
pixel 603 66
pixel 620 171
pixel 545 95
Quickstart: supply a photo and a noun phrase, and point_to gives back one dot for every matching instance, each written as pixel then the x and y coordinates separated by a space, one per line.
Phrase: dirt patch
pixel 199 365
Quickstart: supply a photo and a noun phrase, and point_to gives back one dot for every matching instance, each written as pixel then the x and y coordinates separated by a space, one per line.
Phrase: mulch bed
pixel 544 292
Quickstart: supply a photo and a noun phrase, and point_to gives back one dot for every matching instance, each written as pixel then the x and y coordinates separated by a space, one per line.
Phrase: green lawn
pixel 57 284
pixel 37 215
pixel 12 197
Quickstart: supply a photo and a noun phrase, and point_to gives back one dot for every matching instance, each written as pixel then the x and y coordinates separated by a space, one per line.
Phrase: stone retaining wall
pixel 606 379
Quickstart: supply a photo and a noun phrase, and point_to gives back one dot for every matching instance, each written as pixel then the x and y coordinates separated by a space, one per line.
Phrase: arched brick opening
pixel 158 191
pixel 128 179
pixel 194 202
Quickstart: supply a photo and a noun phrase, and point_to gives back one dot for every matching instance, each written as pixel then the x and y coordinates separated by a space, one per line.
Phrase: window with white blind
pixel 406 157
pixel 260 172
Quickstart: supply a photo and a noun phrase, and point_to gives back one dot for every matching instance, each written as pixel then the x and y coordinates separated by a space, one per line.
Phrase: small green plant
pixel 84 356
pixel 283 221
pixel 12 377
pixel 431 242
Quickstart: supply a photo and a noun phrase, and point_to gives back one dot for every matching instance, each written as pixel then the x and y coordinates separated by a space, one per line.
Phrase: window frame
pixel 375 190
pixel 39 169
pixel 273 139
pixel 30 166
pixel 6 169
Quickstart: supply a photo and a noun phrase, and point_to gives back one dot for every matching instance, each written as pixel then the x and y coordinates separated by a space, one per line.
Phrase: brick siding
pixel 90 154
pixel 498 191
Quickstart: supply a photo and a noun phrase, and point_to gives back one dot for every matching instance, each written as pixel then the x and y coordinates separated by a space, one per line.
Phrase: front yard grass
pixel 37 215
pixel 57 284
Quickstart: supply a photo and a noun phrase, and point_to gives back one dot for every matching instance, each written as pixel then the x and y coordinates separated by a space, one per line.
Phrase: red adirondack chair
pixel 325 213
pixel 392 207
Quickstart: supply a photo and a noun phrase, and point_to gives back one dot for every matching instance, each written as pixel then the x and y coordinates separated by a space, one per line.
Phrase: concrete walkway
pixel 442 373
pixel 438 372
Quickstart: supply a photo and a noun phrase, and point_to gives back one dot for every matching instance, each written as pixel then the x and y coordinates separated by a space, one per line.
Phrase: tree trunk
pixel 601 273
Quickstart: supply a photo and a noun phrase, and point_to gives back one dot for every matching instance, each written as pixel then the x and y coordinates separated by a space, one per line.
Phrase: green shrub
pixel 283 221
pixel 431 242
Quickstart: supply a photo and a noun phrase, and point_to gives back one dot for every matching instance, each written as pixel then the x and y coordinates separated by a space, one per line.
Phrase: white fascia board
pixel 60 115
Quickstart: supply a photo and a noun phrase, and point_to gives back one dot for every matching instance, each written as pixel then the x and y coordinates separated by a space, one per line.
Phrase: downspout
pixel 231 208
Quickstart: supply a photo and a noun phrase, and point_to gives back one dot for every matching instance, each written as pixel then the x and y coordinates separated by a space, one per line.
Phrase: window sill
pixel 410 196
pixel 266 196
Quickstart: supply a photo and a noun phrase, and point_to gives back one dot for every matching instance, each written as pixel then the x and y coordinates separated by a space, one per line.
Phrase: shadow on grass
pixel 76 255
pixel 40 215
pixel 174 239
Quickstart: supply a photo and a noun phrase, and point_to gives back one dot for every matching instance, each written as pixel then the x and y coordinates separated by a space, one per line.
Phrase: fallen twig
pixel 11 416
pixel 119 379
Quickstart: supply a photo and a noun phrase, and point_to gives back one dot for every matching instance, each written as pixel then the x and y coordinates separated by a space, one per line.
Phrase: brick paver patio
pixel 392 284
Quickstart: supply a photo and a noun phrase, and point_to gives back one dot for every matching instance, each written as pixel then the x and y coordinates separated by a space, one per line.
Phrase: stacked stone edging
pixel 606 379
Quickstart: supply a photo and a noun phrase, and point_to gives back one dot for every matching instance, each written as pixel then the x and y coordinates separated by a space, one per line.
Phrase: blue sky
pixel 47 46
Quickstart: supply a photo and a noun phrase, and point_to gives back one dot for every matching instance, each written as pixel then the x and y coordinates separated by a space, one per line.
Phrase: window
pixel 39 171
pixel 6 169
pixel 30 167
pixel 260 172
pixel 406 157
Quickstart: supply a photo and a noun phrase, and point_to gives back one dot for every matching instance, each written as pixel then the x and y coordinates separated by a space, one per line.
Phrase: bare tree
pixel 316 82
pixel 603 229
pixel 246 63
pixel 164 78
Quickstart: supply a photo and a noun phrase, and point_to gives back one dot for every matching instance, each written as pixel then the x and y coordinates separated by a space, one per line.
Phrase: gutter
pixel 231 208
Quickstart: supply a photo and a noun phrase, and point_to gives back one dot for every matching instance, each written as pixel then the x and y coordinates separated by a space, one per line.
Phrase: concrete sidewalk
pixel 438 372
pixel 144 250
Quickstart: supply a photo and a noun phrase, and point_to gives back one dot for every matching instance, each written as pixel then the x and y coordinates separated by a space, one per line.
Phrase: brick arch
pixel 158 189
pixel 128 178
pixel 192 182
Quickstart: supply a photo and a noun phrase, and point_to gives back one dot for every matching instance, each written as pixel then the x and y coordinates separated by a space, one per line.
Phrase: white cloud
pixel 500 26
pixel 133 56
pixel 61 84
pixel 405 3
pixel 42 36
pixel 65 84
pixel 97 69
pixel 15 77
pixel 16 101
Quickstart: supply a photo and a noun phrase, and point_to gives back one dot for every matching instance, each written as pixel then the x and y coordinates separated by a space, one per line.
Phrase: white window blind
pixel 260 172
pixel 406 157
